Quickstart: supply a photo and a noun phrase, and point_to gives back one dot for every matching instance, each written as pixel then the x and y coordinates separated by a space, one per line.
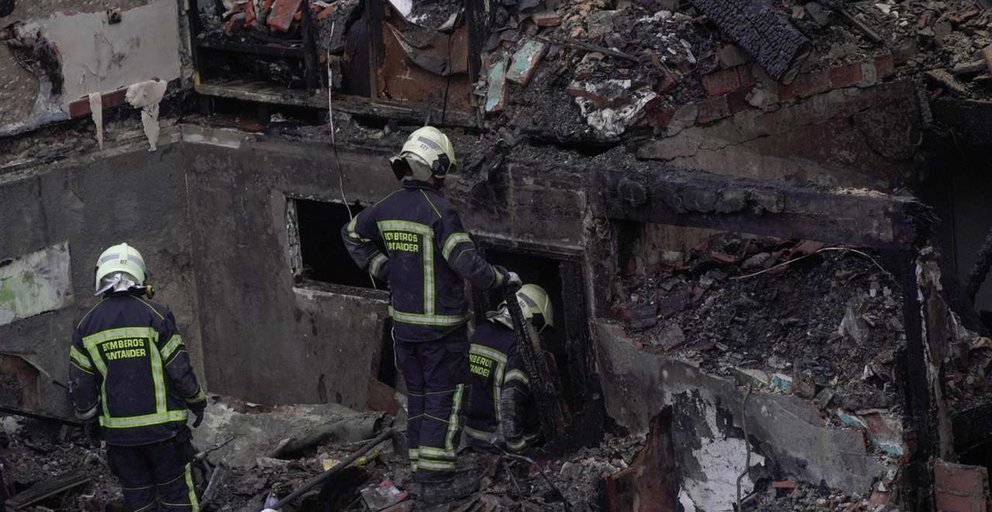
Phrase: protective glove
pixel 197 409
pixel 510 279
pixel 513 280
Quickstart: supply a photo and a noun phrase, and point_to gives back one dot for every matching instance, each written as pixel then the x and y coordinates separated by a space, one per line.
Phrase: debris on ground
pixel 36 455
pixel 791 317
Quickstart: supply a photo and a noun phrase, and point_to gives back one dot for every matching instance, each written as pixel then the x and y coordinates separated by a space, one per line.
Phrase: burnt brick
pixel 884 66
pixel 961 479
pixel 787 92
pixel 721 82
pixel 737 101
pixel 947 502
pixel 281 17
pixel 812 84
pixel 712 109
pixel 847 75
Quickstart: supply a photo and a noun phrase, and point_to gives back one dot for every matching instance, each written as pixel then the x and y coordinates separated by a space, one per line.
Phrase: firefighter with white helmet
pixel 428 256
pixel 502 404
pixel 130 371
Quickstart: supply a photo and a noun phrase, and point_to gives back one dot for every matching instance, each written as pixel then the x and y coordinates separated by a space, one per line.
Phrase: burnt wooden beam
pixel 46 489
pixel 375 13
pixel 309 33
pixel 195 28
pixel 920 431
pixel 262 92
pixel 762 31
pixel 700 199
pixel 477 20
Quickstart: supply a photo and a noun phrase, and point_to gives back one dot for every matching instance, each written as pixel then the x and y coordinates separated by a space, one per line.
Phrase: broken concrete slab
pixel 638 384
pixel 35 283
pixel 258 430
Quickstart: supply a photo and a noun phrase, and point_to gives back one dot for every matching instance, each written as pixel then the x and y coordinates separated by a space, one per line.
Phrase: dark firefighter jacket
pixel 427 255
pixel 128 365
pixel 501 395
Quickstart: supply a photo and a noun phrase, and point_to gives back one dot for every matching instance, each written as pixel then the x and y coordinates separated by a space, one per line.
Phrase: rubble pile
pixel 595 69
pixel 249 453
pixel 248 488
pixel 35 452
pixel 968 373
pixel 608 59
pixel 790 496
pixel 827 326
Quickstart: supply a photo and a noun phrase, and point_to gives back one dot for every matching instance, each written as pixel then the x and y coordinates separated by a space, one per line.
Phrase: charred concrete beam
pixel 699 199
pixel 763 31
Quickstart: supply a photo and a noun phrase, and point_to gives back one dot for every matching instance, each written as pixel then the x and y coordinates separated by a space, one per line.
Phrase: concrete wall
pixel 265 339
pixel 785 429
pixel 138 197
pixel 270 340
pixel 94 55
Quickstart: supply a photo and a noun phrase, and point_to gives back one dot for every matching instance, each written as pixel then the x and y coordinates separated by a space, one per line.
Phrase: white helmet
pixel 427 152
pixel 120 258
pixel 535 304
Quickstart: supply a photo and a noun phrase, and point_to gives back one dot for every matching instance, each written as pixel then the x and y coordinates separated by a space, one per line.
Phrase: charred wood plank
pixel 35 416
pixel 700 199
pixel 477 18
pixel 763 31
pixel 47 489
pixel 309 32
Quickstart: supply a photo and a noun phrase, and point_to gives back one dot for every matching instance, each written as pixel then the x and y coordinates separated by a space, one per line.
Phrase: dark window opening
pixel 318 253
pixel 955 183
pixel 569 340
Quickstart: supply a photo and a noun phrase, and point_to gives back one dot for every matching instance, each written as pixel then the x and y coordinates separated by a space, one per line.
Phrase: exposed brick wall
pixel 733 89
pixel 961 488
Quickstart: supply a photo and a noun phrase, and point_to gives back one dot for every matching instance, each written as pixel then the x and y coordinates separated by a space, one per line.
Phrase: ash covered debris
pixel 791 317
pixel 35 452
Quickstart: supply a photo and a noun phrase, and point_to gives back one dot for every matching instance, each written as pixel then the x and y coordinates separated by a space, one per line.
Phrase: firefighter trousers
pixel 156 476
pixel 436 375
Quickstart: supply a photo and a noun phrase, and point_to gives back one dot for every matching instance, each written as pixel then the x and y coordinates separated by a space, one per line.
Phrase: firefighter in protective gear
pixel 501 401
pixel 427 257
pixel 130 371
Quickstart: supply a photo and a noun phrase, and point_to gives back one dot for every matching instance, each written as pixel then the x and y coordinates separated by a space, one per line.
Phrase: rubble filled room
pixel 738 250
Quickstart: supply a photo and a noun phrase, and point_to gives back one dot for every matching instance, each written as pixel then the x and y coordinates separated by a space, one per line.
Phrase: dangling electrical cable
pixel 334 143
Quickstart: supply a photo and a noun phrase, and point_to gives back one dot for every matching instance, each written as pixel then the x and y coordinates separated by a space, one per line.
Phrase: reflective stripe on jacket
pixel 501 389
pixel 129 367
pixel 427 254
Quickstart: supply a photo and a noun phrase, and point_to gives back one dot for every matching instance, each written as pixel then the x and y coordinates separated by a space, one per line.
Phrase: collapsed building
pixel 758 222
